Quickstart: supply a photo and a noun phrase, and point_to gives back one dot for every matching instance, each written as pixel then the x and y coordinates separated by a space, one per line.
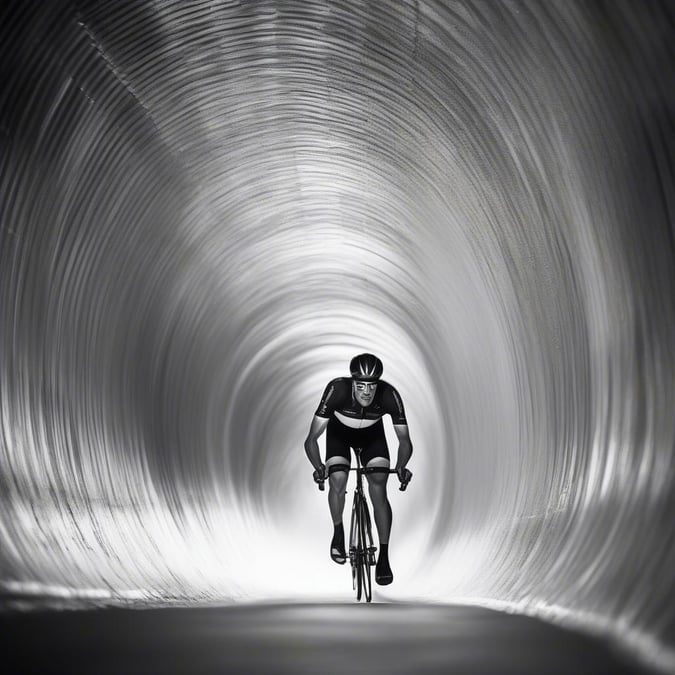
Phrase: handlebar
pixel 371 469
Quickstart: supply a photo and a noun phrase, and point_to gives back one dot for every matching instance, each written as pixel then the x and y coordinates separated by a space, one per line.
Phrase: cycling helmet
pixel 366 367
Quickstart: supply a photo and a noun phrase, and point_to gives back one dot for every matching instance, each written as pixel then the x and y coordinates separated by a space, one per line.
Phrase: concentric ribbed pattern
pixel 209 207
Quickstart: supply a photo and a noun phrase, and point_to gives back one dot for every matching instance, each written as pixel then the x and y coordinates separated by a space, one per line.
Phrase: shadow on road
pixel 299 639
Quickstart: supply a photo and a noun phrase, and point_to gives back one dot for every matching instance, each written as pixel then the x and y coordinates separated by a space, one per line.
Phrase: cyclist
pixel 351 411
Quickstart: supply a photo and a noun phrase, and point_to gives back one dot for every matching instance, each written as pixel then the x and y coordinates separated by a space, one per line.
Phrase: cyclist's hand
pixel 320 476
pixel 404 475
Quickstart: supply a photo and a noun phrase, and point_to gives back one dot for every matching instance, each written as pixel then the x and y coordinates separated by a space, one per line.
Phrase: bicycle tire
pixel 359 581
pixel 366 579
pixel 353 548
pixel 369 534
pixel 360 554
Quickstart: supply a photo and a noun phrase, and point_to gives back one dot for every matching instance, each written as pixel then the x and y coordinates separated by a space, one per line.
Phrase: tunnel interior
pixel 208 208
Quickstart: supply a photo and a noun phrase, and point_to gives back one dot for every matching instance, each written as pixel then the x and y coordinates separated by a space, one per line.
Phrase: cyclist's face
pixel 364 392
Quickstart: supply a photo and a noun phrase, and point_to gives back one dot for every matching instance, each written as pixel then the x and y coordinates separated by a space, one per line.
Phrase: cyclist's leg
pixel 338 455
pixel 337 482
pixel 376 454
pixel 337 464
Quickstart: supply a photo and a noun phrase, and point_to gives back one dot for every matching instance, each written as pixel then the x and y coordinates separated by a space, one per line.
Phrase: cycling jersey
pixel 338 401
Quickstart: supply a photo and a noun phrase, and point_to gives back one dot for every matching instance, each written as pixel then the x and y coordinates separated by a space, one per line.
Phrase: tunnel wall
pixel 207 209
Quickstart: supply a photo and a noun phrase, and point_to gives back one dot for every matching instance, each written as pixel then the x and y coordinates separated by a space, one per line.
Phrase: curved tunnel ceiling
pixel 208 208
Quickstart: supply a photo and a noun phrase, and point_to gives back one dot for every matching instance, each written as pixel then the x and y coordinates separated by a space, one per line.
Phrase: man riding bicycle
pixel 351 411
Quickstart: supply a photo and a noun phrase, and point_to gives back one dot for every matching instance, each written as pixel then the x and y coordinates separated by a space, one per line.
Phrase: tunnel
pixel 208 208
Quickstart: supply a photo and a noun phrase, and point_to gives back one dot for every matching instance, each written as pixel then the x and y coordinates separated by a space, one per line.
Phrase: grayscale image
pixel 337 336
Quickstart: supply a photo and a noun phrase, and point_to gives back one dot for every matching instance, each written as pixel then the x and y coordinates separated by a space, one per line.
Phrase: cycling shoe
pixel 383 573
pixel 337 550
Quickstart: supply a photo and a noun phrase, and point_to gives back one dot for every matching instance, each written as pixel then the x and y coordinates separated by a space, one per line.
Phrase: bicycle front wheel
pixel 365 544
pixel 354 546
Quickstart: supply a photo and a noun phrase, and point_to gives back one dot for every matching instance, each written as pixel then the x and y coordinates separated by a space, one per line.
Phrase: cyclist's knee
pixel 380 462
pixel 337 476
pixel 377 480
pixel 378 477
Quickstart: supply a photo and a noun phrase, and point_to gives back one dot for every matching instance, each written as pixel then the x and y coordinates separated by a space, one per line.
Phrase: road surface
pixel 302 639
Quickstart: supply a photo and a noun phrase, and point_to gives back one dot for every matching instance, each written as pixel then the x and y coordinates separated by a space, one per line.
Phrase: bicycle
pixel 361 548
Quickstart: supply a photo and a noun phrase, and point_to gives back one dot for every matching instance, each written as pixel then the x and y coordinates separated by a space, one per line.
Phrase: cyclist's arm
pixel 405 447
pixel 317 427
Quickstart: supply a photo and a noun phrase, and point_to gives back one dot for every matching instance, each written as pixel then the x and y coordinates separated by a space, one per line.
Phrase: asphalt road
pixel 300 639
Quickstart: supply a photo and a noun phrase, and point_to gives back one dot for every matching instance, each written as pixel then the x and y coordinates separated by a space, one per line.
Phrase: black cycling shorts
pixel 370 441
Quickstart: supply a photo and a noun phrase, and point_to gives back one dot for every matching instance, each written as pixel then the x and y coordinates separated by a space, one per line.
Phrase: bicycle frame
pixel 361 548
